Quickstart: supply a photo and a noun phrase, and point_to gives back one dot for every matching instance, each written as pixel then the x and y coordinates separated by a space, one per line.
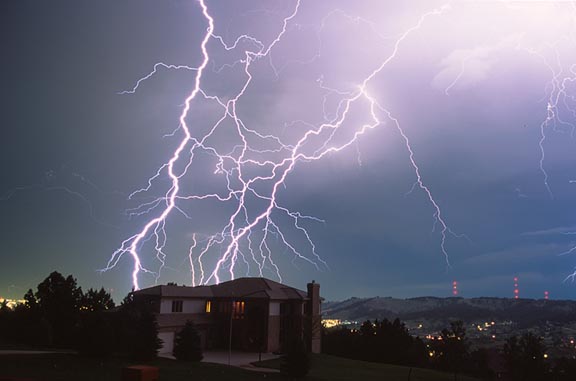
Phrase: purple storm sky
pixel 484 91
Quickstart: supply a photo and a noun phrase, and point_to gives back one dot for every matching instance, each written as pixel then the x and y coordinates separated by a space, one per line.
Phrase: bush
pixel 187 344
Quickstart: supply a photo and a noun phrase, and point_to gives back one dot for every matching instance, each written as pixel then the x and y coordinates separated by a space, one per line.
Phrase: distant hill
pixel 525 312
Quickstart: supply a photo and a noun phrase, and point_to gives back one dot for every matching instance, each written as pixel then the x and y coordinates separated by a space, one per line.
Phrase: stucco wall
pixel 188 306
pixel 167 342
pixel 273 334
pixel 274 309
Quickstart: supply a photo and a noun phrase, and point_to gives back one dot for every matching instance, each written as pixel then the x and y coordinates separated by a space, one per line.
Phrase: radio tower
pixel 455 288
pixel 516 290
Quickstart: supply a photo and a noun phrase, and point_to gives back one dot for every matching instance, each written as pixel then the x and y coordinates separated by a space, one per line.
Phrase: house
pixel 248 314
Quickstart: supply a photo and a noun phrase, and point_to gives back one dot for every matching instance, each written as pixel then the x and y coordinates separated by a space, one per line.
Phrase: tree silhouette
pixel 564 370
pixel 58 300
pixel 59 314
pixel 96 301
pixel 395 345
pixel 296 363
pixel 525 357
pixel 137 329
pixel 381 341
pixel 30 299
pixel 187 344
pixel 452 351
pixel 367 329
pixel 96 334
pixel 368 344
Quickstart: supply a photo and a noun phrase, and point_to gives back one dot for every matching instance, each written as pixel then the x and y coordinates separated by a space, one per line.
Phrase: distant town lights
pixel 12 303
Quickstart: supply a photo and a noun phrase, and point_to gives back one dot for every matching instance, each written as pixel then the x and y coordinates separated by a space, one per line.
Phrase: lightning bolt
pixel 70 183
pixel 560 103
pixel 559 112
pixel 253 224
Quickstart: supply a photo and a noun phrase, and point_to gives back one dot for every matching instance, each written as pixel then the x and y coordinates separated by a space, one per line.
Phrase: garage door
pixel 168 342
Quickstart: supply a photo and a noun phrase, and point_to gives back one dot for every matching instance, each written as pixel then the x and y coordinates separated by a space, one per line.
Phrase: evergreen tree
pixel 187 344
pixel 137 329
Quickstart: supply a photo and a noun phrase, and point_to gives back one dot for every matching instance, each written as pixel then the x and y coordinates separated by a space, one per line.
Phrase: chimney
pixel 314 327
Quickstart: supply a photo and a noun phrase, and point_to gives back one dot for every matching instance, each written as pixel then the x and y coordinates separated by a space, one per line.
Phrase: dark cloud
pixel 471 99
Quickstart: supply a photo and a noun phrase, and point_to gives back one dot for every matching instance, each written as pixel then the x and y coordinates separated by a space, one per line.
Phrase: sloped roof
pixel 247 288
pixel 177 291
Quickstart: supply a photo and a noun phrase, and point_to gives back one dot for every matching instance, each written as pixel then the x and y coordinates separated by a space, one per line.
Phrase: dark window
pixel 223 307
pixel 286 309
pixel 177 305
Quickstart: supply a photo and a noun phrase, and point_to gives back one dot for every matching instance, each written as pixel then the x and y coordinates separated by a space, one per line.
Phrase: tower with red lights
pixel 455 288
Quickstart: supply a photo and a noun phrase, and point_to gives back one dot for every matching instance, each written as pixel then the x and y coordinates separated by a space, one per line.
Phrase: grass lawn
pixel 331 368
pixel 68 367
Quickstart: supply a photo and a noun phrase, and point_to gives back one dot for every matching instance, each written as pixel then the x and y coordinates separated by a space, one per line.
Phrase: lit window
pixel 177 305
pixel 238 310
pixel 208 306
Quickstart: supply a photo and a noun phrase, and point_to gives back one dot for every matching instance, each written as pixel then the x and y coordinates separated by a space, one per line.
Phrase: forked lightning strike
pixel 249 230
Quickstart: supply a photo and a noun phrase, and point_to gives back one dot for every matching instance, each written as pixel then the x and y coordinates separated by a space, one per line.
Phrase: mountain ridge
pixel 522 311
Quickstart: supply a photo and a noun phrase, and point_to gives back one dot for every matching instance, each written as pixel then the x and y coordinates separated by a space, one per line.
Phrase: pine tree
pixel 137 329
pixel 187 344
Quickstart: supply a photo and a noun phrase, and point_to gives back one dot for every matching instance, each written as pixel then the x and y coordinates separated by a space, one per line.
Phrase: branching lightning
pixel 250 229
pixel 68 183
pixel 557 58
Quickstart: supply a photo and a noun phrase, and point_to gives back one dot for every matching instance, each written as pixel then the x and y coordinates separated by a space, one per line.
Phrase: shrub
pixel 187 344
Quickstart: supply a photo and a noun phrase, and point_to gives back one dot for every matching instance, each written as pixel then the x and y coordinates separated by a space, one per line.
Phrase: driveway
pixel 238 359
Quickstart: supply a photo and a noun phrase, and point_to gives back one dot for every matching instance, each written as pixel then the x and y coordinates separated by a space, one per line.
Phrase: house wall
pixel 194 306
pixel 266 325
pixel 168 335
pixel 188 306
pixel 273 334
pixel 274 309
pixel 167 342
pixel 166 306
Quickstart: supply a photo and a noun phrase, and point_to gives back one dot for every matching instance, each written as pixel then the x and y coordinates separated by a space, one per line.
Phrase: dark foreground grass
pixel 69 367
pixel 331 368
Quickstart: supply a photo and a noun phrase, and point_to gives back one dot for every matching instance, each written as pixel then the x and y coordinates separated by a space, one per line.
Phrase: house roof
pixel 246 288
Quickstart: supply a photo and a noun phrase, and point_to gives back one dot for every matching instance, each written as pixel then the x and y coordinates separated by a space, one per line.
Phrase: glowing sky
pixel 484 91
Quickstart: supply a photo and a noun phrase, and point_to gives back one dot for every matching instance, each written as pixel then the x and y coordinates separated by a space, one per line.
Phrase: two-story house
pixel 251 314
